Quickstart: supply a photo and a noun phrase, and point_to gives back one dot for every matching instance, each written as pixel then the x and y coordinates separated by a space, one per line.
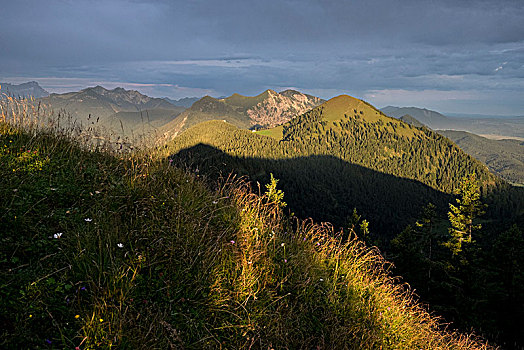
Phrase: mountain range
pixel 121 112
pixel 267 109
pixel 29 89
pixel 182 102
pixel 489 127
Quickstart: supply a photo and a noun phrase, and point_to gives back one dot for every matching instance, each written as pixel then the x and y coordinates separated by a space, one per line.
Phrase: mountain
pixel 341 155
pixel 183 102
pixel 430 118
pixel 265 110
pixel 22 90
pixel 489 127
pixel 120 111
pixel 411 121
pixel 503 157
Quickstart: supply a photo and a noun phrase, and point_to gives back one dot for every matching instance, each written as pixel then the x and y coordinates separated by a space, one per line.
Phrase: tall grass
pixel 108 249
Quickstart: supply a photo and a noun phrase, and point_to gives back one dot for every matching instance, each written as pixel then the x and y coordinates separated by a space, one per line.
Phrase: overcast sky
pixel 453 56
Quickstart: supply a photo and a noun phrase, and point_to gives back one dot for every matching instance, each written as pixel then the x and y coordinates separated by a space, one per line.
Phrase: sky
pixel 459 56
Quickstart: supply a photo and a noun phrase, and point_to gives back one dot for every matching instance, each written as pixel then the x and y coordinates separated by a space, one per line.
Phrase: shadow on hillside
pixel 325 188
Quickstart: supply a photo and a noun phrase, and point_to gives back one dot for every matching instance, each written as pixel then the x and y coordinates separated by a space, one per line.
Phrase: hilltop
pixel 267 109
pixel 126 250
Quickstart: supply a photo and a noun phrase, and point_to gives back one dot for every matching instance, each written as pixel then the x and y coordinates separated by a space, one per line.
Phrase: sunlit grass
pixel 103 249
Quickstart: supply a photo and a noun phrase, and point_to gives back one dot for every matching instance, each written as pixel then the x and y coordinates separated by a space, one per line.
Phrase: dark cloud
pixel 406 50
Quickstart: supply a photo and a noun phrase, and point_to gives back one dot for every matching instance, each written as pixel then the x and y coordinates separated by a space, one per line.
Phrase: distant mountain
pixel 22 90
pixel 183 102
pixel 265 110
pixel 493 127
pixel 411 121
pixel 430 118
pixel 503 157
pixel 123 112
pixel 341 155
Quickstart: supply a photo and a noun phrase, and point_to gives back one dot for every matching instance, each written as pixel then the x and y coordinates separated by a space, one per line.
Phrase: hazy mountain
pixel 183 102
pixel 411 121
pixel 503 157
pixel 265 110
pixel 124 112
pixel 430 118
pixel 486 126
pixel 22 90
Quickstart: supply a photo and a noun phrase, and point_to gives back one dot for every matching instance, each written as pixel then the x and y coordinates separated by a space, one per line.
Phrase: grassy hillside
pixel 110 249
pixel 503 157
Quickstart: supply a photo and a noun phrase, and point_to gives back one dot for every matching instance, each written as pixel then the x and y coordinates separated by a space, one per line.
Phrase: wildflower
pixel 30 316
pixel 120 245
pixel 101 320
pixel 83 288
pixel 77 316
pixel 285 260
pixel 77 348
pixel 215 202
pixel 48 341
pixel 58 235
pixel 282 244
pixel 232 242
pixel 88 219
pixel 321 280
pixel 170 161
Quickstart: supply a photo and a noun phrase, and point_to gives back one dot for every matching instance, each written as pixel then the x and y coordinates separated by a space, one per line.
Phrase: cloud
pixel 221 47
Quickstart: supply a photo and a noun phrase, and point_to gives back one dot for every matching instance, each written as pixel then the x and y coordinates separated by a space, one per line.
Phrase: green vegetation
pixel 107 250
pixel 462 216
pixel 503 157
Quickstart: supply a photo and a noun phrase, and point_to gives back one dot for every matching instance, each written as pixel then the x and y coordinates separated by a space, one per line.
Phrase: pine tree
pixel 461 217
pixel 273 194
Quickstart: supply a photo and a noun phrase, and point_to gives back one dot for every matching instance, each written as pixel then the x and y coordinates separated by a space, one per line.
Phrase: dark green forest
pixel 392 183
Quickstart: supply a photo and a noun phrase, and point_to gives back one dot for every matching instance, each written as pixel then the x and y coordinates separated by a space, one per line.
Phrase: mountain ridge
pixel 268 108
pixel 24 90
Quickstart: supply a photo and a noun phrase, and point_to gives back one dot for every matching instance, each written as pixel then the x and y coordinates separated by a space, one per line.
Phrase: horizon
pixel 445 113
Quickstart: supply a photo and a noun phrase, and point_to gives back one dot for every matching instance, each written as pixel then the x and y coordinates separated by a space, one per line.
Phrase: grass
pixel 108 249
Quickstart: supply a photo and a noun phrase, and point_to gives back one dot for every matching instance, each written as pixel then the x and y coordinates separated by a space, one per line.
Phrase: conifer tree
pixel 462 215
pixel 273 194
